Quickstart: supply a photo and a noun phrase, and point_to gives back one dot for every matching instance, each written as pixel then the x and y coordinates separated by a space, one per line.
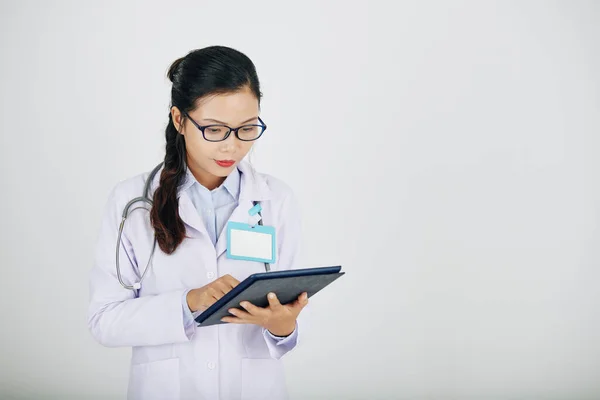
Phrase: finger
pixel 300 302
pixel 215 293
pixel 252 309
pixel 235 320
pixel 221 286
pixel 240 313
pixel 230 280
pixel 274 301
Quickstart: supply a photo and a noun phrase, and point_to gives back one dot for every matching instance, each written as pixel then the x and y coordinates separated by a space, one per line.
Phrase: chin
pixel 222 171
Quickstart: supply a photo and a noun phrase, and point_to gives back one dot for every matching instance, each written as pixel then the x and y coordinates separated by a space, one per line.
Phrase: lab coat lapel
pixel 189 215
pixel 240 214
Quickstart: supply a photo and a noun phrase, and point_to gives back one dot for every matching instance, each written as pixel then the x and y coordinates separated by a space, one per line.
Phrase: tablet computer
pixel 287 285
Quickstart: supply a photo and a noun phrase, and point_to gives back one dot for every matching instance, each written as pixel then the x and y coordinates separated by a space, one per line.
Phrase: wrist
pixel 282 331
pixel 189 298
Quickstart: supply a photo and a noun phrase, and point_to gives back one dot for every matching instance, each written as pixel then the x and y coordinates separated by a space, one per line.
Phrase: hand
pixel 202 298
pixel 279 319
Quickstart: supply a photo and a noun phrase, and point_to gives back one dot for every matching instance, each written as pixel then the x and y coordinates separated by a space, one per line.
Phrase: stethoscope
pixel 126 212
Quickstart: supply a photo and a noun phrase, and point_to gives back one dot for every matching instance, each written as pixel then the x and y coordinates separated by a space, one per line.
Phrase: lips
pixel 225 163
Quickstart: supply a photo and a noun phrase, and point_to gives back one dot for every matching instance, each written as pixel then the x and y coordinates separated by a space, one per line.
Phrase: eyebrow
pixel 225 123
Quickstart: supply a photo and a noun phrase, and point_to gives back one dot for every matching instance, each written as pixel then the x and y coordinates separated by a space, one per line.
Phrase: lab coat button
pixel 211 365
pixel 210 275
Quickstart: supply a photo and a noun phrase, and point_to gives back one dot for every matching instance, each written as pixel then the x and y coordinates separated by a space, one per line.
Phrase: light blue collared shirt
pixel 215 207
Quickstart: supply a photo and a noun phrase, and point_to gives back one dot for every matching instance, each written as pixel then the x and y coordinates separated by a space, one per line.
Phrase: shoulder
pixel 132 186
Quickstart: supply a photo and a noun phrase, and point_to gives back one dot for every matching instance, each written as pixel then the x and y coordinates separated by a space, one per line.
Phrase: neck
pixel 206 179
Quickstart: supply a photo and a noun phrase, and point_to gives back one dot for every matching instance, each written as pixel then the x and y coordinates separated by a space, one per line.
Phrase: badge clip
pixel 254 215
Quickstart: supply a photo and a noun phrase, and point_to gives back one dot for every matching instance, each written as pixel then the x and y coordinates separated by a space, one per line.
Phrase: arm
pixel 117 316
pixel 288 249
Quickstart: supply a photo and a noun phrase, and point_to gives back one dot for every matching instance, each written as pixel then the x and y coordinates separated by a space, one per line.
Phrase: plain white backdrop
pixel 444 153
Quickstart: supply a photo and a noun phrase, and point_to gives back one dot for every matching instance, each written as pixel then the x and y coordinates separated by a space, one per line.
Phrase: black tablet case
pixel 287 285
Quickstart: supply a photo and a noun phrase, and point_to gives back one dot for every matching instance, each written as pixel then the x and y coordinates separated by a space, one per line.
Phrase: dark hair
pixel 208 71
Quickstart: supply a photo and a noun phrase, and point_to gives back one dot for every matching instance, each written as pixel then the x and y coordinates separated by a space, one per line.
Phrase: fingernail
pixel 271 295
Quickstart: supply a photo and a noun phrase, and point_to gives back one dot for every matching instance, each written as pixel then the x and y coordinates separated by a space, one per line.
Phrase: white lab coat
pixel 227 361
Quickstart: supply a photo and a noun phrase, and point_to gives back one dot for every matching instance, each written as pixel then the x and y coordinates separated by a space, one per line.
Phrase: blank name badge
pixel 250 243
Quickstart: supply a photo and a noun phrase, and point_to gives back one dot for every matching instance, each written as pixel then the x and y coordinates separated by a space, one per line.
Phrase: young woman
pixel 179 249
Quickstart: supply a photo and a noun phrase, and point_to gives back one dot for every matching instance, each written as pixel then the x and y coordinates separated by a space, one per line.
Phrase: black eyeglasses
pixel 218 133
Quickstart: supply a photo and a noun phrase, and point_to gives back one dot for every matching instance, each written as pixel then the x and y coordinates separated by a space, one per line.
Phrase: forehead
pixel 231 108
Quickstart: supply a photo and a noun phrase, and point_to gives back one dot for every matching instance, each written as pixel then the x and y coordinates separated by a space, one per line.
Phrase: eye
pixel 216 129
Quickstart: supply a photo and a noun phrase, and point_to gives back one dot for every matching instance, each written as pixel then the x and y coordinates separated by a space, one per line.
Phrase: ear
pixel 177 118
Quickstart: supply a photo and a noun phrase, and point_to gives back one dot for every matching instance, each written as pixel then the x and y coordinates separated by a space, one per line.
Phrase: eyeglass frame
pixel 235 130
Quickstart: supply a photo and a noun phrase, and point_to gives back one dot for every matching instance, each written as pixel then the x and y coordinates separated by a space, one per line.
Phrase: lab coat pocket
pixel 156 380
pixel 263 378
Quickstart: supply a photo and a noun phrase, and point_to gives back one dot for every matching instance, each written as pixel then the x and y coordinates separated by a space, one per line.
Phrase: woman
pixel 203 183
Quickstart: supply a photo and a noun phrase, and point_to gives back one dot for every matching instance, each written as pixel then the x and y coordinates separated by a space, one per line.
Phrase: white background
pixel 444 153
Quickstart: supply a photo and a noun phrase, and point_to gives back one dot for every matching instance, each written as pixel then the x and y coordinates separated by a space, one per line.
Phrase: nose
pixel 228 145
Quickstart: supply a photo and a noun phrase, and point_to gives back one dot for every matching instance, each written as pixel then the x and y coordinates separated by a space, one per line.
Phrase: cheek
pixel 197 149
pixel 244 147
